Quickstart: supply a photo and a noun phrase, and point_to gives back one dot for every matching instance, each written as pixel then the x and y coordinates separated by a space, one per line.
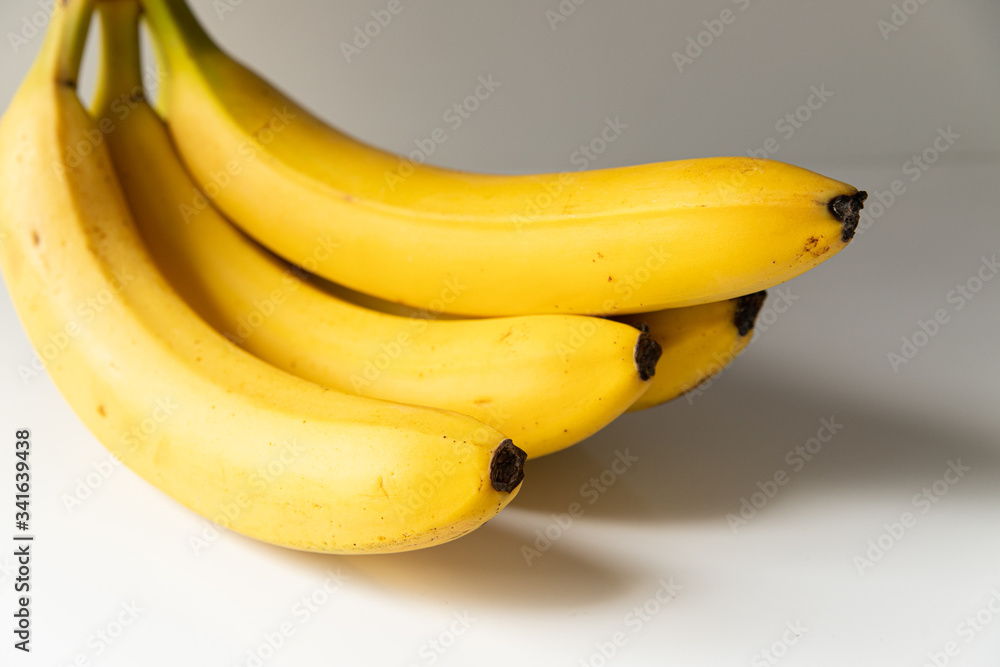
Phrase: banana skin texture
pixel 600 242
pixel 548 381
pixel 310 468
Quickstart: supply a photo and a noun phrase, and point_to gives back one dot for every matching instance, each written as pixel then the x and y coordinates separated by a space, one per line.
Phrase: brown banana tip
pixel 847 209
pixel 647 353
pixel 747 308
pixel 507 466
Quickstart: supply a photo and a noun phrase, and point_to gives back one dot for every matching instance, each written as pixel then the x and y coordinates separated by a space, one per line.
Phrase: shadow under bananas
pixel 696 460
pixel 679 463
pixel 485 567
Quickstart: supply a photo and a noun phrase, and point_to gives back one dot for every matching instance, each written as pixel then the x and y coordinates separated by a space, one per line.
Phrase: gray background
pixel 825 356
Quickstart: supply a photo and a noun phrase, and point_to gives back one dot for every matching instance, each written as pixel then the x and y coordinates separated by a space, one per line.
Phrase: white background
pixel 826 356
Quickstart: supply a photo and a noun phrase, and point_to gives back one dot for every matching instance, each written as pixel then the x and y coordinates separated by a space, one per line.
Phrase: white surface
pixel 664 518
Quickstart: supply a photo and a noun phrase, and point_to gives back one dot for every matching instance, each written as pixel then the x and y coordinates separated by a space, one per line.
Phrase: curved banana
pixel 548 381
pixel 608 241
pixel 697 342
pixel 202 420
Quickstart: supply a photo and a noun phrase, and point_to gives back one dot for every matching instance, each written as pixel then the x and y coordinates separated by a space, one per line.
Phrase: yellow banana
pixel 548 381
pixel 199 418
pixel 608 241
pixel 697 342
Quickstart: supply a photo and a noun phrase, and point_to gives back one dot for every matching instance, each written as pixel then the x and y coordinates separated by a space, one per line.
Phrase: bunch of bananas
pixel 354 349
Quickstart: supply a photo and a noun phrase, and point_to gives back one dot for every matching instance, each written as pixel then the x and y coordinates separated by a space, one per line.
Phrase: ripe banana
pixel 548 381
pixel 307 468
pixel 697 342
pixel 609 241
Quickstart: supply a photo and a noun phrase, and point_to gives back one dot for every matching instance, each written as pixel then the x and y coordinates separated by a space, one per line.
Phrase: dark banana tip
pixel 747 308
pixel 647 353
pixel 847 209
pixel 507 466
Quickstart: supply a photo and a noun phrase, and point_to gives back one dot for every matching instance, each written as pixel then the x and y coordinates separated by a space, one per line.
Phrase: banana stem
pixel 120 74
pixel 177 31
pixel 62 50
pixel 162 101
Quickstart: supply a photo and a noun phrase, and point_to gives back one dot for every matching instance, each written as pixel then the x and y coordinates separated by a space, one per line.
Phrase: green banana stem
pixel 162 101
pixel 120 73
pixel 62 50
pixel 176 30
